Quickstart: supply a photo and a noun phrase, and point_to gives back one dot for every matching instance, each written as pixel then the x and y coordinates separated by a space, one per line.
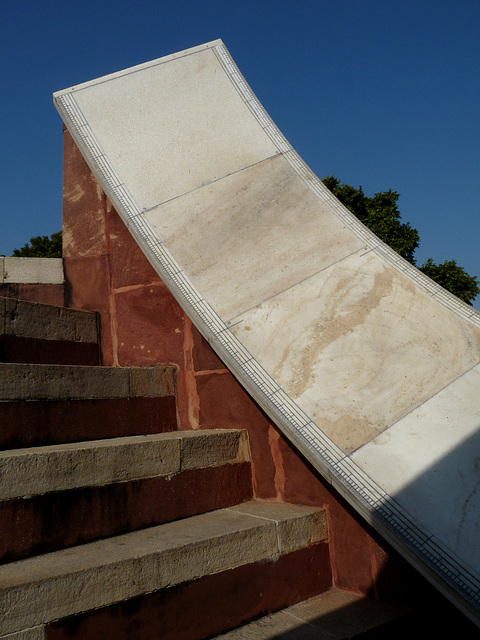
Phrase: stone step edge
pixel 38 590
pixel 39 470
pixel 30 382
pixel 35 633
pixel 336 613
pixel 36 320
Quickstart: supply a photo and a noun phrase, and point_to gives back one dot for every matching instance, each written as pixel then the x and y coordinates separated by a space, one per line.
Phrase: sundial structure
pixel 367 366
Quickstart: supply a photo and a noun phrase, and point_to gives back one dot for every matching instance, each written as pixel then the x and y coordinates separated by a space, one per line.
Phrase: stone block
pixel 33 270
pixel 42 589
pixel 68 382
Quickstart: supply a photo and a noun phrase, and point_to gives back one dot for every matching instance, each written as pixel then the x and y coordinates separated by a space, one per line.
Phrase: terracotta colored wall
pixel 142 325
pixel 44 293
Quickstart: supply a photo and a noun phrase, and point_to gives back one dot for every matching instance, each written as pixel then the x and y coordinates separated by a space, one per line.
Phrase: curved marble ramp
pixel 371 369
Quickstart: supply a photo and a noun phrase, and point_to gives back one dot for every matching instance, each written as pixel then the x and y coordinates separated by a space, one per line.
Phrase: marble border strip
pixel 358 488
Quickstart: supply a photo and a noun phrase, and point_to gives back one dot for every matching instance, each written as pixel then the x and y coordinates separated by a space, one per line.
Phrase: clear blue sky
pixel 383 94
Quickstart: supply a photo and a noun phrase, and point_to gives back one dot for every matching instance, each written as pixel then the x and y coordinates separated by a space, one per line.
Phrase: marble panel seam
pixel 231 321
pixel 418 406
pixel 202 186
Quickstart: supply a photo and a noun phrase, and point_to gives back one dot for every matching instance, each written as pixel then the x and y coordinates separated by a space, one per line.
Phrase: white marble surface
pixel 429 462
pixel 291 291
pixel 252 235
pixel 173 127
pixel 358 346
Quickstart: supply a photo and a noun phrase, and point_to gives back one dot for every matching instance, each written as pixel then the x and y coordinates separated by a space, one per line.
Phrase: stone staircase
pixel 113 524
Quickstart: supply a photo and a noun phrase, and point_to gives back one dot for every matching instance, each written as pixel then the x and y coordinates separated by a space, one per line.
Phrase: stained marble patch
pixel 251 235
pixel 358 346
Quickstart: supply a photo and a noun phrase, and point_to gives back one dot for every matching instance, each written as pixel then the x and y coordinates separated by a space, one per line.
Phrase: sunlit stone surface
pixel 369 367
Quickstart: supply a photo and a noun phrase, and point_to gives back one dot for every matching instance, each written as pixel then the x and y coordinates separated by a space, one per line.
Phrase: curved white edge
pixel 411 539
pixel 138 67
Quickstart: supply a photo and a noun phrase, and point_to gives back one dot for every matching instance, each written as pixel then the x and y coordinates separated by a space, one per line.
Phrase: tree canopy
pixel 453 278
pixel 41 247
pixel 381 215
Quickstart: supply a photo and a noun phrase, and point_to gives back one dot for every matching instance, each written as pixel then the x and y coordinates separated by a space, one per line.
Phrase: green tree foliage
pixel 381 215
pixel 41 247
pixel 453 278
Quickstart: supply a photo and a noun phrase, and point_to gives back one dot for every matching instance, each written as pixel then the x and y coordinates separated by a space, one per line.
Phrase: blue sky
pixel 381 94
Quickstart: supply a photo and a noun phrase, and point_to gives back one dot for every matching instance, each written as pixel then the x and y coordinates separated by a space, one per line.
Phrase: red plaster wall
pixel 142 325
pixel 44 293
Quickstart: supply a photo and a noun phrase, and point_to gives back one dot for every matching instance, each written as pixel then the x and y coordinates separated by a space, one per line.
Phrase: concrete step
pixel 108 574
pixel 29 382
pixel 64 495
pixel 40 333
pixel 40 470
pixel 49 404
pixel 331 615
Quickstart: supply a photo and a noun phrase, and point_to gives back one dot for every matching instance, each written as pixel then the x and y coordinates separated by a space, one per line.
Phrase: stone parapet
pixel 31 270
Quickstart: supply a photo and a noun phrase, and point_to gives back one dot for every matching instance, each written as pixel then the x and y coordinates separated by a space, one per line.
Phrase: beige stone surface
pixel 41 589
pixel 34 471
pixel 303 530
pixel 60 467
pixel 63 382
pixel 207 447
pixel 33 320
pixel 212 132
pixel 36 633
pixel 252 235
pixel 32 270
pixel 440 488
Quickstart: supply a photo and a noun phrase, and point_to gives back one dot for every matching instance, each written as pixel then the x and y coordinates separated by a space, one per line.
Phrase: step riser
pixel 28 424
pixel 55 521
pixel 46 588
pixel 35 351
pixel 207 606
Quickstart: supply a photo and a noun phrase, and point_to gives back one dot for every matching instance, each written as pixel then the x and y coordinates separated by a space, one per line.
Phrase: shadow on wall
pixel 410 609
pixel 394 582
pixel 446 499
pixel 358 621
